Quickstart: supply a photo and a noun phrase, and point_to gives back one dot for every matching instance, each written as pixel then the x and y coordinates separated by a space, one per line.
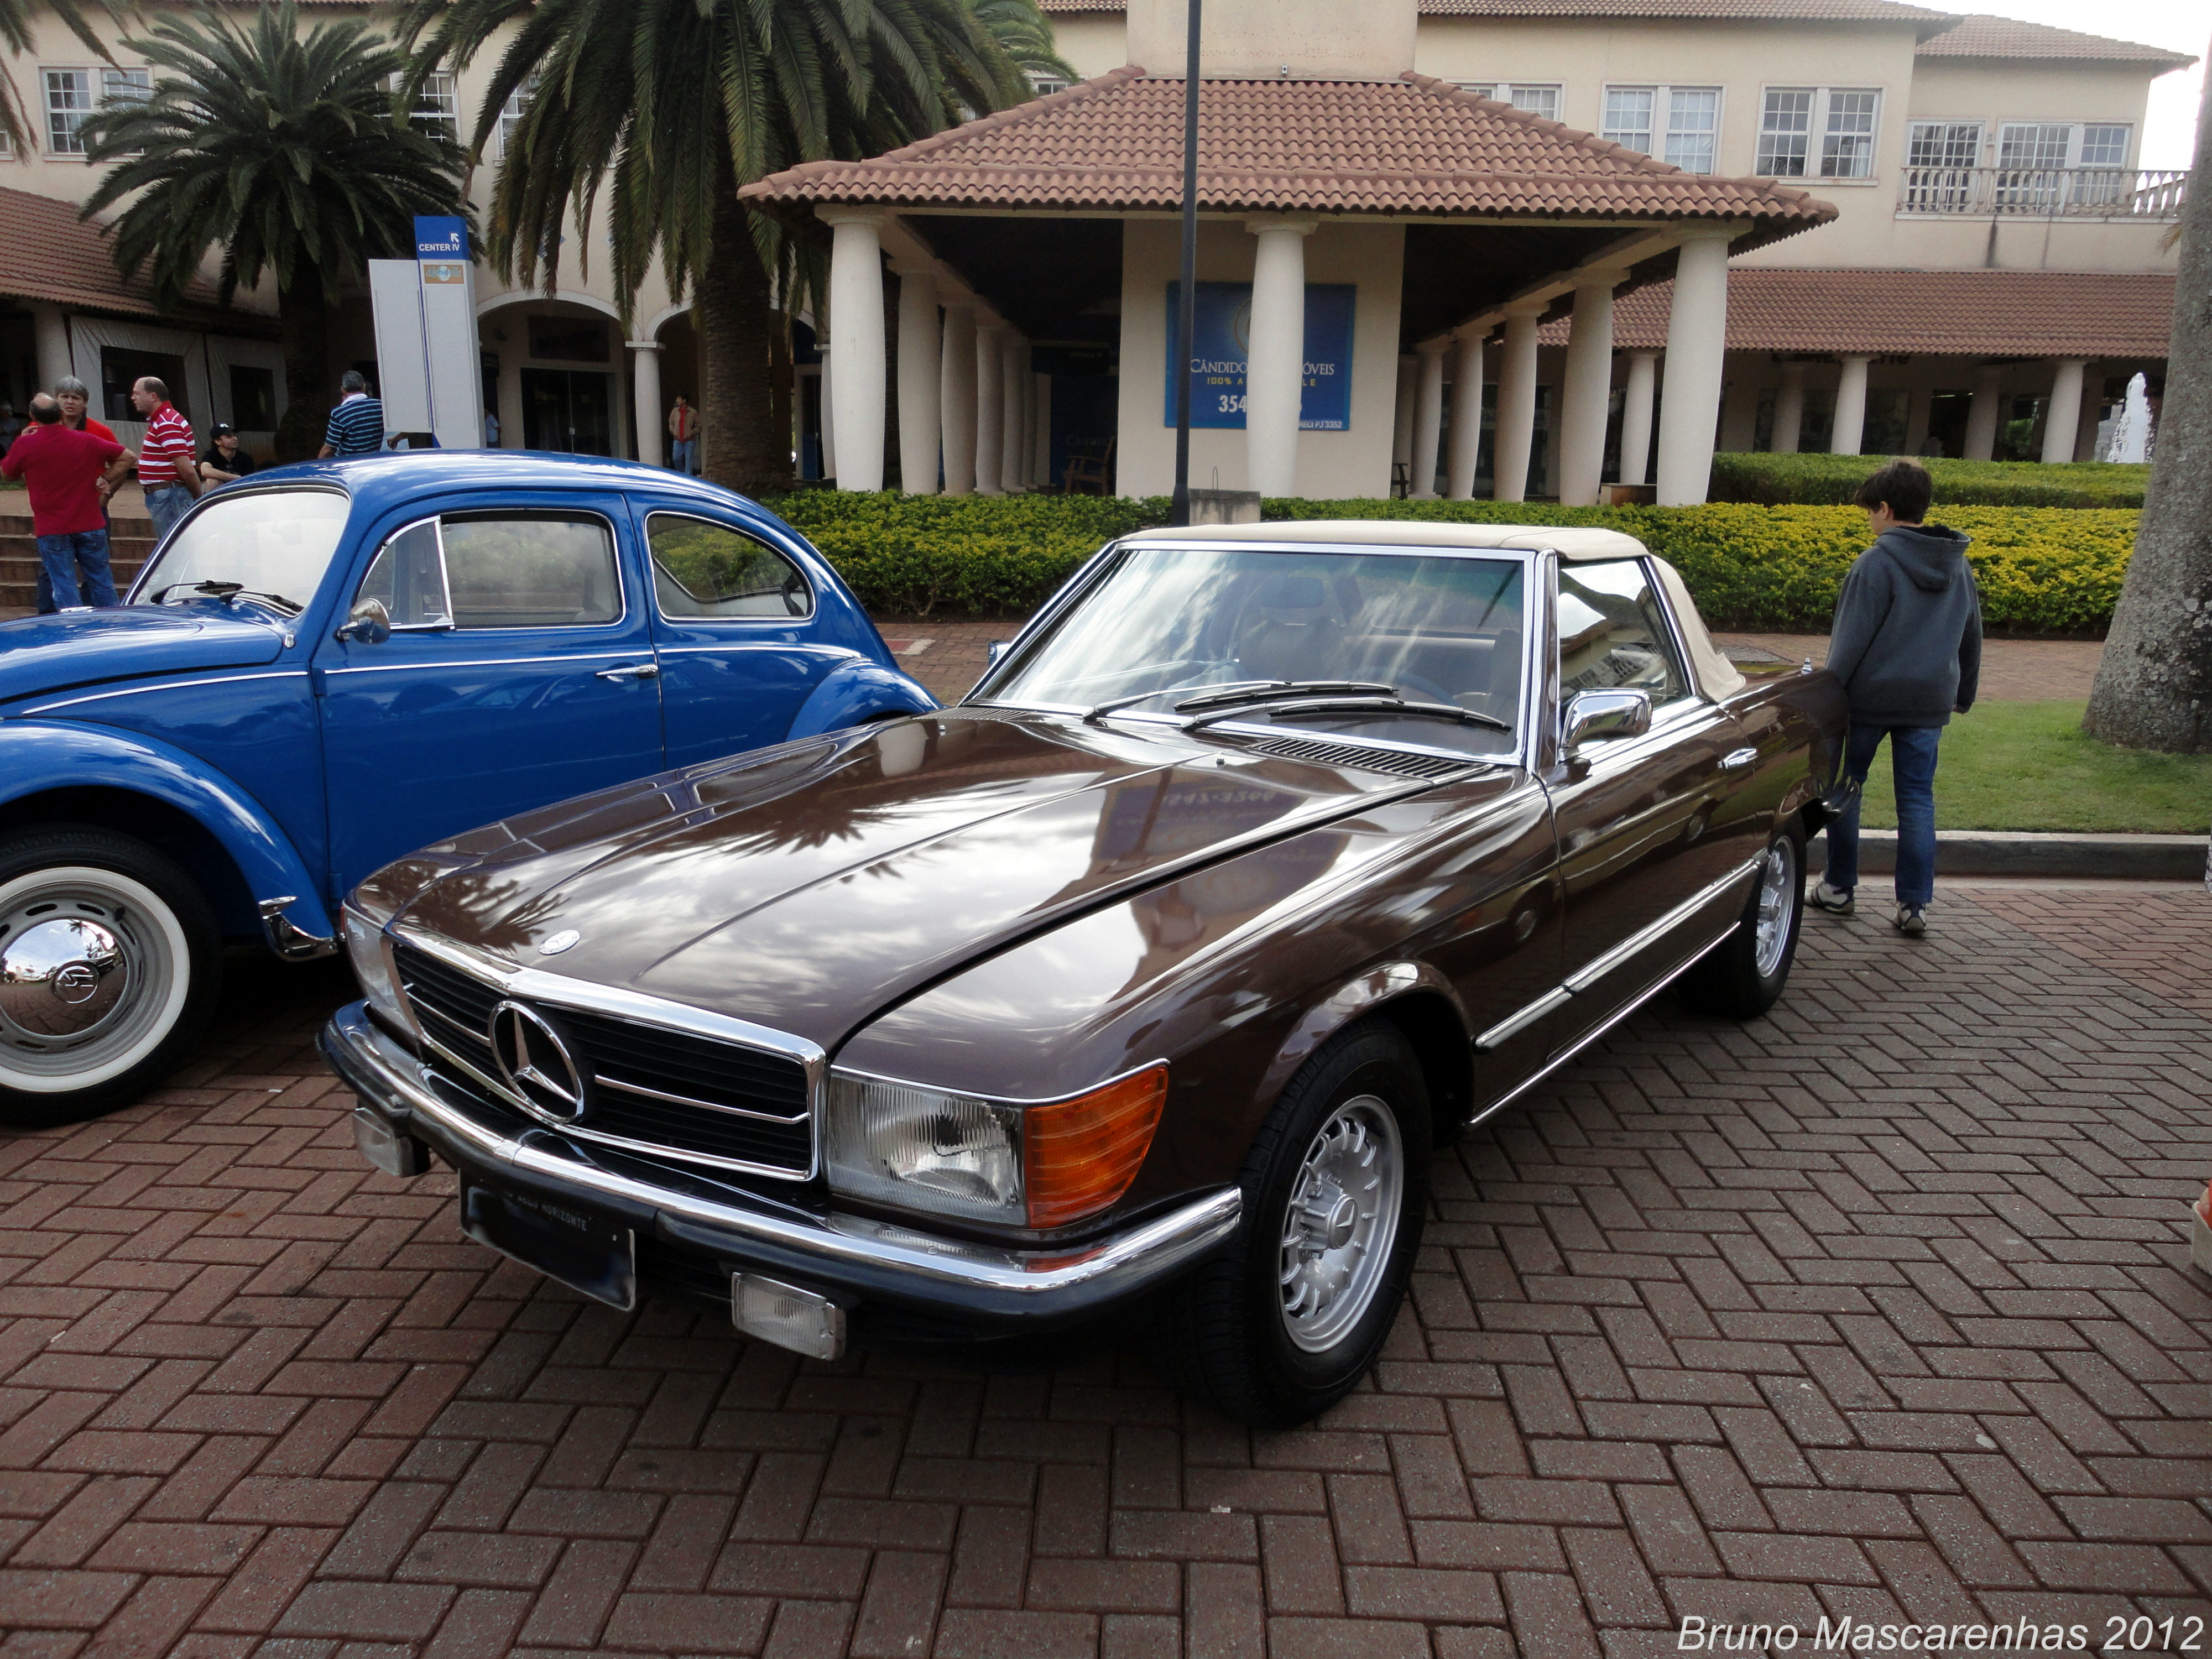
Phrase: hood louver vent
pixel 1369 760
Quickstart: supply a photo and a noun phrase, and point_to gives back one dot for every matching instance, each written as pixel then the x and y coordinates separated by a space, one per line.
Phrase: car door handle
pixel 1736 757
pixel 636 671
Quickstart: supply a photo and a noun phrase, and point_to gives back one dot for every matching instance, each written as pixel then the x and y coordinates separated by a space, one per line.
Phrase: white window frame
pixel 1663 130
pixel 428 111
pixel 65 142
pixel 1982 140
pixel 1817 133
pixel 1043 86
pixel 1513 90
pixel 2074 131
pixel 510 112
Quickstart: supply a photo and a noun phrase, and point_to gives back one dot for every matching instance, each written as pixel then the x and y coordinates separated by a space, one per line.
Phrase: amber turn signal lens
pixel 1080 1155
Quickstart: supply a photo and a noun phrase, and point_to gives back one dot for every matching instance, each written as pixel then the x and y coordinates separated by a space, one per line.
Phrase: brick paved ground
pixel 1877 1307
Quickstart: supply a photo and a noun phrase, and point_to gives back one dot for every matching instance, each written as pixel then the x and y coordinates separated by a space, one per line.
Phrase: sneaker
pixel 1909 921
pixel 1836 901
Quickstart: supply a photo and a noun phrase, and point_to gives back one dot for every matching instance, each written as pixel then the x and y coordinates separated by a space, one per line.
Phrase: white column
pixel 1636 416
pixel 1587 388
pixel 651 420
pixel 1275 373
pixel 1467 414
pixel 1697 342
pixel 1011 376
pixel 920 357
pixel 857 367
pixel 1429 419
pixel 2062 418
pixel 1401 424
pixel 990 408
pixel 956 399
pixel 1850 435
pixel 829 415
pixel 50 338
pixel 1516 433
pixel 1790 409
pixel 1983 415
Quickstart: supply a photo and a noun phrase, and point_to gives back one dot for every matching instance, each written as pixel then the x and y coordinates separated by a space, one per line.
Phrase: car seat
pixel 1290 630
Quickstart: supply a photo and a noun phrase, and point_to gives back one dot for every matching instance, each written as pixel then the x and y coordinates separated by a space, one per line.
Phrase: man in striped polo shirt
pixel 167 470
pixel 357 425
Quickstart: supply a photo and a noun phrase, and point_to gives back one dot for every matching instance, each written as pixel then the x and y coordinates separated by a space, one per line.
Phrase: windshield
pixel 271 542
pixel 1166 624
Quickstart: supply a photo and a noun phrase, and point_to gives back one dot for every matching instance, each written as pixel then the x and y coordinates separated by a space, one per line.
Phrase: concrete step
pixel 19 524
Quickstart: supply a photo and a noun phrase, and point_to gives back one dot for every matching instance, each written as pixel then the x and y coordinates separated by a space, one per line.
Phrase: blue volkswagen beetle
pixel 334 663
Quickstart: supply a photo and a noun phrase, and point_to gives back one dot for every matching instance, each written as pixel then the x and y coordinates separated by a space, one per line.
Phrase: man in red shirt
pixel 167 470
pixel 76 399
pixel 64 470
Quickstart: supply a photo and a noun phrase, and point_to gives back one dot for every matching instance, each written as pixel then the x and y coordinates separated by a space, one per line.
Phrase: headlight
pixel 371 955
pixel 1041 1165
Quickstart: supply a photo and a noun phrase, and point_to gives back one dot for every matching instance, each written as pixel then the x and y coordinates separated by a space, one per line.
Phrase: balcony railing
pixel 2045 192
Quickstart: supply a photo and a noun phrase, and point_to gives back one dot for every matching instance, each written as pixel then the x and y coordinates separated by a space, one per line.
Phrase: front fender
pixel 855 692
pixel 38 756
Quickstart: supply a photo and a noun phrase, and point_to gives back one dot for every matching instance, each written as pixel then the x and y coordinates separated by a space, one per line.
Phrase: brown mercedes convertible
pixel 1264 861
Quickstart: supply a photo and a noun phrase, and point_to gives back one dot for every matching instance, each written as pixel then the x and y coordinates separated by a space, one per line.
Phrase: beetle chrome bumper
pixel 850 1253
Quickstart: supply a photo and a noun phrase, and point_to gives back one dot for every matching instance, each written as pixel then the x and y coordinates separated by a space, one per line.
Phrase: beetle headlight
pixel 1022 1164
pixel 370 953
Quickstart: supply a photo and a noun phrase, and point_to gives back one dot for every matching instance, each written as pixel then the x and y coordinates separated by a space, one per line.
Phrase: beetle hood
pixel 43 655
pixel 806 888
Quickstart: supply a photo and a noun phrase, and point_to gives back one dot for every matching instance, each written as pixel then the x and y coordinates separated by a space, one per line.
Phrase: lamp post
pixel 1186 294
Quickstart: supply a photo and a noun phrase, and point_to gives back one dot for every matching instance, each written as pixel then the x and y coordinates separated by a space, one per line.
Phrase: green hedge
pixel 1818 480
pixel 2041 569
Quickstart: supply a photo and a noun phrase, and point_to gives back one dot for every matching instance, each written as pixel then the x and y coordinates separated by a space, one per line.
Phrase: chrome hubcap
pixel 62 977
pixel 1778 888
pixel 1340 1223
pixel 94 972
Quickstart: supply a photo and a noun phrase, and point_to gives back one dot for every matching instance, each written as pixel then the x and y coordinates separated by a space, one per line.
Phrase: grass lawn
pixel 2027 766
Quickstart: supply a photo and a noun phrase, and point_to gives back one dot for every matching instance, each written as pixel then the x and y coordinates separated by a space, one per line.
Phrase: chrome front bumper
pixel 856 1255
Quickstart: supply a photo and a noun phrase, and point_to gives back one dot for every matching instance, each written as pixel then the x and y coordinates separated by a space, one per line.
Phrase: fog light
pixel 802 1320
pixel 394 1153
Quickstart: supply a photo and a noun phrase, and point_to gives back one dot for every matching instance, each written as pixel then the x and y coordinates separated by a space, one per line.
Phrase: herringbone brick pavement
pixel 1877 1307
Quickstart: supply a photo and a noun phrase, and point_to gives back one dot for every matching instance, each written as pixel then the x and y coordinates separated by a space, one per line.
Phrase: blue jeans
pixel 59 558
pixel 165 506
pixel 1913 772
pixel 684 456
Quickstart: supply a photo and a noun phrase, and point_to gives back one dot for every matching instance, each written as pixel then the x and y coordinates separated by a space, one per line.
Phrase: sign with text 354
pixel 1223 346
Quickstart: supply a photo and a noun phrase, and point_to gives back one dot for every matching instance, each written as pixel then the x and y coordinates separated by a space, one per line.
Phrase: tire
pixel 1276 1351
pixel 110 964
pixel 1743 975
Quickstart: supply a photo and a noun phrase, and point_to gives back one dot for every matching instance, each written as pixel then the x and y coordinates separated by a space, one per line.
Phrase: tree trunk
pixel 304 316
pixel 745 451
pixel 2153 687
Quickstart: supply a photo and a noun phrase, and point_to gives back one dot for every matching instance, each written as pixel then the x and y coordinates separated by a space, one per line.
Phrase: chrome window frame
pixel 445 570
pixel 814 600
pixel 445 582
pixel 1663 715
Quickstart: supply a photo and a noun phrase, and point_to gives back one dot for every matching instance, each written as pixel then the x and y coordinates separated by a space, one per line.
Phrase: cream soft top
pixel 1716 675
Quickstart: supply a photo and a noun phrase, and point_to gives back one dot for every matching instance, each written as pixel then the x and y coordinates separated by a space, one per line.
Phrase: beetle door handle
pixel 1736 757
pixel 636 671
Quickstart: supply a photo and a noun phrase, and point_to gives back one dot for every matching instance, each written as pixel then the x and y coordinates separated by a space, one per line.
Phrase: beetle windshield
pixel 1212 627
pixel 273 544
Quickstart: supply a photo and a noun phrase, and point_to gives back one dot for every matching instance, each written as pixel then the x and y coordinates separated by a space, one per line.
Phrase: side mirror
pixel 998 648
pixel 1597 716
pixel 367 621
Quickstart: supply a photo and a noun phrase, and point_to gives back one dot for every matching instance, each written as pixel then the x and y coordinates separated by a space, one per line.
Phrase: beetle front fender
pixel 855 692
pixel 37 757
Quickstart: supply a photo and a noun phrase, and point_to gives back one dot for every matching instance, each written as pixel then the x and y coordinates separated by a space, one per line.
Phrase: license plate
pixel 583 1251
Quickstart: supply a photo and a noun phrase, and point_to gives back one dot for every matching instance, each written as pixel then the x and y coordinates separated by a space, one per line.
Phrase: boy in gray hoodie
pixel 1907 645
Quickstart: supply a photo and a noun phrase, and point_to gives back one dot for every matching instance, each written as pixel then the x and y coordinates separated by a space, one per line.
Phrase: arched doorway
pixel 558 367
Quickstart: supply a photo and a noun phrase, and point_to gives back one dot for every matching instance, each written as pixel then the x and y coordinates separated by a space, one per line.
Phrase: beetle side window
pixel 531 570
pixel 1613 633
pixel 708 571
pixel 408 577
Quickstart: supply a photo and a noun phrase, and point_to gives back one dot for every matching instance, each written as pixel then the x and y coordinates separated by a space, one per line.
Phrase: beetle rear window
pixel 708 570
pixel 276 542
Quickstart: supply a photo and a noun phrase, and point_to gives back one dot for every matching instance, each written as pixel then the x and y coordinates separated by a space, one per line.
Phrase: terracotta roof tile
pixel 1980 36
pixel 1416 145
pixel 1969 313
pixel 46 253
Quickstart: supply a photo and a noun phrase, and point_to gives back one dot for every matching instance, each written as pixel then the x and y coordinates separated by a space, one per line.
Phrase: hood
pixel 1932 554
pixel 806 890
pixel 40 655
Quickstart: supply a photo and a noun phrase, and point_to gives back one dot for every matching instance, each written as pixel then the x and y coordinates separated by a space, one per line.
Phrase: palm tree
pixel 1025 34
pixel 286 151
pixel 669 105
pixel 16 36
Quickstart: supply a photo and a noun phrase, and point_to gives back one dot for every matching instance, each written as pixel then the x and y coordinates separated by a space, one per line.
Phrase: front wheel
pixel 1287 1319
pixel 110 960
pixel 1742 976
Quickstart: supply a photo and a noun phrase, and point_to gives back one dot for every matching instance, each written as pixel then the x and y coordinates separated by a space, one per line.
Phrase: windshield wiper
pixel 1275 690
pixel 1393 706
pixel 228 592
pixel 1098 711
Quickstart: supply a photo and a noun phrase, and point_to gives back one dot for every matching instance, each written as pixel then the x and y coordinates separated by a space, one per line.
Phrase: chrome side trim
pixel 168 685
pixel 1596 970
pixel 1513 1024
pixel 490 662
pixel 698 1105
pixel 288 940
pixel 854 1250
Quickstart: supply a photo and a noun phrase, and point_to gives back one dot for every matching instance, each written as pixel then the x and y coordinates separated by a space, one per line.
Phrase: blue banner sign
pixel 440 238
pixel 1224 346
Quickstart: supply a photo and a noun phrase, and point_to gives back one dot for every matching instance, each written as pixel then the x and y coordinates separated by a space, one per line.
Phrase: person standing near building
pixel 1907 645
pixel 76 399
pixel 357 425
pixel 683 436
pixel 62 470
pixel 167 471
